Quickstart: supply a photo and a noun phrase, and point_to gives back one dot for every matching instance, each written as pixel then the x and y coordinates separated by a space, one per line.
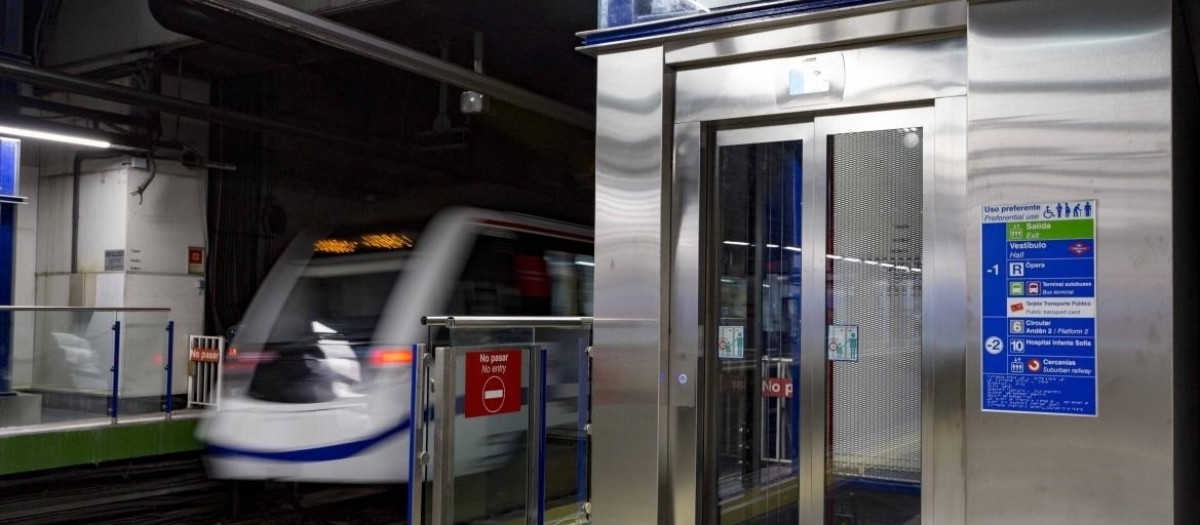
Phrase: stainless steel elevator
pixel 815 255
pixel 788 265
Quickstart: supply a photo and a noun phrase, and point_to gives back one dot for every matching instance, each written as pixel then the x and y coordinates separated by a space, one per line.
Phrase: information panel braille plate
pixel 1038 337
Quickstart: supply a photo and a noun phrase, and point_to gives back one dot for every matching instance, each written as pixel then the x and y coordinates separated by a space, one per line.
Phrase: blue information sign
pixel 1039 308
pixel 10 152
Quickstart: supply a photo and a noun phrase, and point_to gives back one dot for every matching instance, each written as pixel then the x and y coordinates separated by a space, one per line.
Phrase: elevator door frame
pixel 935 102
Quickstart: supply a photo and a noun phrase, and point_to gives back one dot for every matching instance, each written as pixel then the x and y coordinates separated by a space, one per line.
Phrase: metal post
pixel 220 371
pixel 114 405
pixel 536 437
pixel 443 418
pixel 582 431
pixel 170 362
pixel 418 455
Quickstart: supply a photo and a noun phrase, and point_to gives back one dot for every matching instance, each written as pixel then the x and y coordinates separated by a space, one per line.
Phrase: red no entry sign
pixel 777 387
pixel 493 383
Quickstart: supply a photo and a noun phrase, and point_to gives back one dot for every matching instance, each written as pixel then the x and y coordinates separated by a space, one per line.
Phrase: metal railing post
pixel 220 371
pixel 582 408
pixel 536 437
pixel 114 406
pixel 444 363
pixel 418 455
pixel 170 367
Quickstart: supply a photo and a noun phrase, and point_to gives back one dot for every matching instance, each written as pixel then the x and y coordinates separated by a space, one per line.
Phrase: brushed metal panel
pixel 887 74
pixel 892 24
pixel 687 323
pixel 628 287
pixel 943 498
pixel 1072 101
pixel 812 342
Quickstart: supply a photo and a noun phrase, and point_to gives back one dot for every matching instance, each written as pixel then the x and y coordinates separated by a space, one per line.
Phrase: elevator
pixel 788 309
pixel 812 240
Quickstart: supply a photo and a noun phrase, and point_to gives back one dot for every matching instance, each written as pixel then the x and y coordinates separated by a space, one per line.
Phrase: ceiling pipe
pixel 51 79
pixel 364 44
pixel 69 110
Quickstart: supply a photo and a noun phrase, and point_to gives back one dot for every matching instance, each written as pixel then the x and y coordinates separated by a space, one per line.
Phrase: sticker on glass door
pixel 731 343
pixel 843 342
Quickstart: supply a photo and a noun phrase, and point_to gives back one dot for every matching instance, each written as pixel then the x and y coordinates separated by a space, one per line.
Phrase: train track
pixel 177 491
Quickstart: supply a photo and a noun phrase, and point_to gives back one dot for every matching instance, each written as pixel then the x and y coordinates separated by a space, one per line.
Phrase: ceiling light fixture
pixel 56 137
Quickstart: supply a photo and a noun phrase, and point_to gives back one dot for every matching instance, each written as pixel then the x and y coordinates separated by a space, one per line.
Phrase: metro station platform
pixel 91 442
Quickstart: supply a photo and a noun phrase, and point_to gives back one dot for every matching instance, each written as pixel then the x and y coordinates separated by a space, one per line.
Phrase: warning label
pixel 493 383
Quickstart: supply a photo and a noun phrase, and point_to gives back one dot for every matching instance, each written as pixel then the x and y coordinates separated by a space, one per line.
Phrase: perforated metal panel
pixel 875 230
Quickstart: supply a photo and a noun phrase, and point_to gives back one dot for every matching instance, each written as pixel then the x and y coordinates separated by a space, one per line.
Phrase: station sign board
pixel 493 383
pixel 1039 296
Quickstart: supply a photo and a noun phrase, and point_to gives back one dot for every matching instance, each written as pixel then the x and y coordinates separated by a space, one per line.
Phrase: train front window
pixel 318 345
pixel 514 273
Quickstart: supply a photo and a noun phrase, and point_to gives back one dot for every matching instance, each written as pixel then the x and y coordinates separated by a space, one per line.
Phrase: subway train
pixel 317 380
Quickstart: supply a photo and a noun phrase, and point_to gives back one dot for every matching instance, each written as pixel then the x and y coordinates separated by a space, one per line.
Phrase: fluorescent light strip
pixel 870 262
pixel 56 137
pixel 737 243
pixel 772 246
pixel 585 263
pixel 791 248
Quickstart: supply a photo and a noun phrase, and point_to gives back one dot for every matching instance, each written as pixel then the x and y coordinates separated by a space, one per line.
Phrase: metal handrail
pixel 11 308
pixel 505 321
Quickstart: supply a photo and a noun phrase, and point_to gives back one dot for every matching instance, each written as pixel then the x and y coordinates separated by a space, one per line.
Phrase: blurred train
pixel 317 380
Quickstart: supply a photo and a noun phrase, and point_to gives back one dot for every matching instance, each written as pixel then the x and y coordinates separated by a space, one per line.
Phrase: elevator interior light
pixel 56 137
pixel 870 262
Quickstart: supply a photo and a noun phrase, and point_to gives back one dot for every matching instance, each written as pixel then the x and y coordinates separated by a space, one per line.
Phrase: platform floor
pixel 92 441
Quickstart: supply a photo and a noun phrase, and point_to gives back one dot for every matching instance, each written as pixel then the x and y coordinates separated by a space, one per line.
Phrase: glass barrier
pixel 78 364
pixel 516 450
pixel 143 356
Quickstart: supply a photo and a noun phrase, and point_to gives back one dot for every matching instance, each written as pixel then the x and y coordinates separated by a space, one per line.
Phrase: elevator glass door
pixel 814 385
pixel 755 275
pixel 874 168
